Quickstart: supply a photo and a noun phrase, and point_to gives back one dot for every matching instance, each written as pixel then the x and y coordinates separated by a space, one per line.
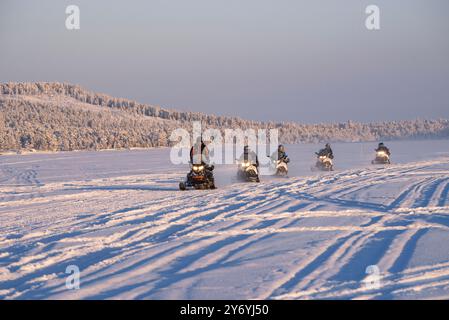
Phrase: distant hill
pixel 59 116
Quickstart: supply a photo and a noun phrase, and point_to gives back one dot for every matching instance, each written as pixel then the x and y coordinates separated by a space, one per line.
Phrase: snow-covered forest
pixel 58 116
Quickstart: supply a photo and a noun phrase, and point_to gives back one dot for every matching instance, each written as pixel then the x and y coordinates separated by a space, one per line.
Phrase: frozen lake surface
pixel 119 217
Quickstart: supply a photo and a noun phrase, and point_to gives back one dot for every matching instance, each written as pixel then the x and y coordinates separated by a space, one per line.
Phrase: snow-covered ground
pixel 118 216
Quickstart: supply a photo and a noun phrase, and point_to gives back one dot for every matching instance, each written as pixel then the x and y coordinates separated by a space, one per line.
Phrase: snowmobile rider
pixel 382 147
pixel 281 155
pixel 199 154
pixel 249 155
pixel 326 152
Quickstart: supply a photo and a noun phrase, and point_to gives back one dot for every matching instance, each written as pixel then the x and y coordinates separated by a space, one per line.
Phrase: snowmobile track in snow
pixel 136 236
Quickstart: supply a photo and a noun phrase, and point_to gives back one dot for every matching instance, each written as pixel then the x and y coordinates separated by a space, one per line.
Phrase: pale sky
pixel 306 61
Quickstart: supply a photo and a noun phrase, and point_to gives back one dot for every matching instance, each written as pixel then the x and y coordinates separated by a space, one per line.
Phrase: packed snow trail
pixel 135 236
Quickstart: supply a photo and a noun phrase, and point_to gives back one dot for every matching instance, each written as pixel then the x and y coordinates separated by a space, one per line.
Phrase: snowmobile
pixel 248 171
pixel 324 163
pixel 199 177
pixel 281 166
pixel 381 158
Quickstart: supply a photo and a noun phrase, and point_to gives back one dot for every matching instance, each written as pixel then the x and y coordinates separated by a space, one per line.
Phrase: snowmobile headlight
pixel 322 157
pixel 381 153
pixel 245 164
pixel 198 168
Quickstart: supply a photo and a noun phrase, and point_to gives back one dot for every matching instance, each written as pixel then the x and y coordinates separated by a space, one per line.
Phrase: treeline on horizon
pixel 64 117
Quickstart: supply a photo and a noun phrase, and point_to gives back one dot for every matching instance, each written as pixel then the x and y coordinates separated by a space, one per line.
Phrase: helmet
pixel 328 145
pixel 381 144
pixel 246 148
pixel 281 148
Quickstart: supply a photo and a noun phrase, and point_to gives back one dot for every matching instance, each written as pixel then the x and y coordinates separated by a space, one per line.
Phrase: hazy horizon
pixel 302 61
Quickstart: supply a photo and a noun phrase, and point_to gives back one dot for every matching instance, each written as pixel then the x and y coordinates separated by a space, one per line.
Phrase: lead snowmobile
pixel 199 177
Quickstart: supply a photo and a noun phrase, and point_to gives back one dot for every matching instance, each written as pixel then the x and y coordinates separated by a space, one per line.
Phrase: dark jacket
pixel 383 148
pixel 250 156
pixel 327 152
pixel 204 156
pixel 280 156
